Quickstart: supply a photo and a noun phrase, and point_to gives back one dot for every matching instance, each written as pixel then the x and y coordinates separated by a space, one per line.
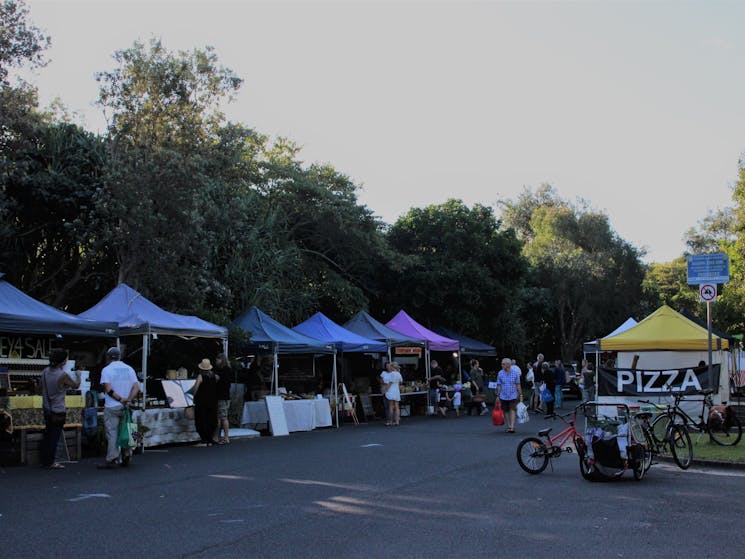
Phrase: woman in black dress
pixel 205 403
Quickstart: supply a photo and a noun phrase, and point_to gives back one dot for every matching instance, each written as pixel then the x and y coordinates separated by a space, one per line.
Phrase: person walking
pixel 205 403
pixel 538 373
pixel 508 393
pixel 224 373
pixel 560 380
pixel 54 384
pixel 550 381
pixel 477 388
pixel 120 387
pixel 393 394
pixel 529 387
pixel 436 376
pixel 385 383
pixel 588 382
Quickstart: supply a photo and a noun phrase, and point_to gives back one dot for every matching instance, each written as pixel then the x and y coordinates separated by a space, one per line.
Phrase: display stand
pixel 347 403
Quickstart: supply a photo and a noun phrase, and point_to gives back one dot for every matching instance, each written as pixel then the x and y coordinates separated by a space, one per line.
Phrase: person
pixel 477 387
pixel 457 399
pixel 385 383
pixel 508 393
pixel 224 373
pixel 443 401
pixel 435 377
pixel 560 379
pixel 54 384
pixel 538 373
pixel 588 383
pixel 529 386
pixel 205 403
pixel 120 387
pixel 550 382
pixel 393 395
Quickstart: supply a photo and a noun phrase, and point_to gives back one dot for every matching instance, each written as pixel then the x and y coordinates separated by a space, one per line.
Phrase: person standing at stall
pixel 205 403
pixel 54 384
pixel 393 394
pixel 224 374
pixel 120 387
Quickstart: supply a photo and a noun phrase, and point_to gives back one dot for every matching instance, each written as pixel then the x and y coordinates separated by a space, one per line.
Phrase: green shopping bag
pixel 127 430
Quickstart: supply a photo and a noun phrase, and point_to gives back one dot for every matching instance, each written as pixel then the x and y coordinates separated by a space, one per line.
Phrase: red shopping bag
pixel 497 416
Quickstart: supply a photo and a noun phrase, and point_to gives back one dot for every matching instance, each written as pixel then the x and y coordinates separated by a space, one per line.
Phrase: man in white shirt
pixel 120 387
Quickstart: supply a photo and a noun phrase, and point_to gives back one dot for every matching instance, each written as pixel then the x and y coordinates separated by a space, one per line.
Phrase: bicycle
pixel 533 454
pixel 666 432
pixel 720 422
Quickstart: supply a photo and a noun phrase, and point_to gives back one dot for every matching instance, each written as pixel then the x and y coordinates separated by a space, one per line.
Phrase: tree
pixel 588 277
pixel 164 114
pixel 20 43
pixel 462 270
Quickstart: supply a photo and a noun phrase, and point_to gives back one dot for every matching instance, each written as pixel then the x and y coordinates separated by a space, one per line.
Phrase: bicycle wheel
pixel 585 467
pixel 531 455
pixel 680 446
pixel 660 426
pixel 725 433
pixel 651 447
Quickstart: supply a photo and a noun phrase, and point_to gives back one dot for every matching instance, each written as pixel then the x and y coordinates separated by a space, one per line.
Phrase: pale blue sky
pixel 637 107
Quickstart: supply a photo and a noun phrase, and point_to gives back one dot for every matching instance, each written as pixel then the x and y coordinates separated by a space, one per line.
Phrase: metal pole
pixel 708 325
pixel 145 349
pixel 336 392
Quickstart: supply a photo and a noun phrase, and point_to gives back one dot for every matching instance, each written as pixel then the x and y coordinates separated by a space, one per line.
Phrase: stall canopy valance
pixel 135 314
pixel 365 325
pixel 20 313
pixel 403 323
pixel 266 333
pixel 591 347
pixel 323 328
pixel 468 346
pixel 663 330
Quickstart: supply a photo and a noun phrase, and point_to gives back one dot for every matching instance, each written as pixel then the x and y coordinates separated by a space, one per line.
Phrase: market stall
pixel 301 415
pixel 28 331
pixel 137 316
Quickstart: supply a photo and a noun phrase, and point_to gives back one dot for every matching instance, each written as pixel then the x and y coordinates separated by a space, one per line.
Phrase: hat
pixel 114 352
pixel 205 365
pixel 457 387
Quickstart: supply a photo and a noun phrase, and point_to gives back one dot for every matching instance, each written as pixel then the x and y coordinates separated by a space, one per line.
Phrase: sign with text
pixel 408 351
pixel 646 382
pixel 24 347
pixel 707 268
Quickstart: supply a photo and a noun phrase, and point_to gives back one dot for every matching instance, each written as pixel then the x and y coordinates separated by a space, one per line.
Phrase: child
pixel 443 400
pixel 457 400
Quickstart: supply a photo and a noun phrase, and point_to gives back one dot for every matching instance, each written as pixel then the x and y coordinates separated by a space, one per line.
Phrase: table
pixel 302 415
pixel 166 425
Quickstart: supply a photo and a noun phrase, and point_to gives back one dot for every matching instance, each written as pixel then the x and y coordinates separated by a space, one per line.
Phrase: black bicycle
pixel 719 422
pixel 667 432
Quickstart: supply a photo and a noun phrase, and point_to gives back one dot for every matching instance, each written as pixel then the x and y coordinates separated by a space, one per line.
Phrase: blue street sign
pixel 708 268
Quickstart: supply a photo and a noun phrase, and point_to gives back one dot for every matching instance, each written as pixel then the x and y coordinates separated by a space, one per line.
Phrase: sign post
pixel 707 270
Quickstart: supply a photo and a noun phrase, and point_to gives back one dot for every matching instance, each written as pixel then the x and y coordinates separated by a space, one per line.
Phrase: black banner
pixel 645 382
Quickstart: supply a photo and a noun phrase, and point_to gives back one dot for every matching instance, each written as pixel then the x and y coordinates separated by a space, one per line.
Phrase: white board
pixel 276 412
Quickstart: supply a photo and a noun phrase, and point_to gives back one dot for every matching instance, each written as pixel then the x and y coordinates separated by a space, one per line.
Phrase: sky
pixel 636 107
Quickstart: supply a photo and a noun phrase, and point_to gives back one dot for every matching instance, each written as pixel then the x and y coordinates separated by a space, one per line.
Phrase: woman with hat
pixel 205 403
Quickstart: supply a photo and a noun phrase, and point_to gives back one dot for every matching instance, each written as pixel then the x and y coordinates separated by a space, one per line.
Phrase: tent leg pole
pixel 336 393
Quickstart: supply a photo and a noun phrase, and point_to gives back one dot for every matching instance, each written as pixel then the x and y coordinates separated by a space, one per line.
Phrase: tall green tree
pixel 587 276
pixel 21 43
pixel 462 269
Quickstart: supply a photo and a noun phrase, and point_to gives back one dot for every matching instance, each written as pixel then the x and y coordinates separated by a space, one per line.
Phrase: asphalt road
pixel 430 488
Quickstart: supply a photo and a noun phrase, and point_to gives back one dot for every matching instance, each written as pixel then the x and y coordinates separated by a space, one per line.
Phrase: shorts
pixel 456 406
pixel 508 405
pixel 222 409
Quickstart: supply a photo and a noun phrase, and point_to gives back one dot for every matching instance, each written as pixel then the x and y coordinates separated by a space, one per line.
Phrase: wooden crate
pixel 31 439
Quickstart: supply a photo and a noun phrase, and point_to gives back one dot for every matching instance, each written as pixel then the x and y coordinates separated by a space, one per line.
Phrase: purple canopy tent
pixel 403 323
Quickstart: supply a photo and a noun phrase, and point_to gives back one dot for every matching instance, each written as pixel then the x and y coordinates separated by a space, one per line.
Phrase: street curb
pixel 723 464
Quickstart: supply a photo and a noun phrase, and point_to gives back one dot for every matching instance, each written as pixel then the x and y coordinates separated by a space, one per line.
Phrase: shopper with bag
pixel 508 393
pixel 120 387
pixel 548 387
pixel 54 384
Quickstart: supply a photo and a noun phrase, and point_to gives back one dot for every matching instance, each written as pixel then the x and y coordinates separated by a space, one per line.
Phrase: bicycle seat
pixel 544 432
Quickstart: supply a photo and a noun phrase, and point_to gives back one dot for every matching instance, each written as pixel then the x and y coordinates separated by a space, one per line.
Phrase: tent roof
pixel 365 325
pixel 403 323
pixel 265 331
pixel 21 313
pixel 664 329
pixel 321 327
pixel 588 347
pixel 136 314
pixel 468 346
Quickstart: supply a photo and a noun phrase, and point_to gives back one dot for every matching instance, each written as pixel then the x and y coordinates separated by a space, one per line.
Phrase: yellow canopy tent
pixel 663 330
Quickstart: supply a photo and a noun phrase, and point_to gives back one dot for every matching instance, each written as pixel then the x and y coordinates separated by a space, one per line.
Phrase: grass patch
pixel 705 449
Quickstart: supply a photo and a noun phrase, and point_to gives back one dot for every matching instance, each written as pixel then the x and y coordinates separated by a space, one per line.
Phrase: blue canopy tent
pixel 136 315
pixel 267 334
pixel 365 325
pixel 20 313
pixel 321 327
pixel 468 346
